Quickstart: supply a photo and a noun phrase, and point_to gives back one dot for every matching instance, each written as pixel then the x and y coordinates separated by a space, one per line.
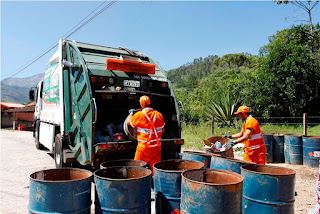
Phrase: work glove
pixel 131 111
pixel 230 144
pixel 228 136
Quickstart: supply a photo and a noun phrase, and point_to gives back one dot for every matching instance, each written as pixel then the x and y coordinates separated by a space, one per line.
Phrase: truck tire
pixel 57 152
pixel 38 145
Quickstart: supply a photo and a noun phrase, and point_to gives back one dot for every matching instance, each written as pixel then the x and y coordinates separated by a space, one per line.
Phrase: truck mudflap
pixel 101 148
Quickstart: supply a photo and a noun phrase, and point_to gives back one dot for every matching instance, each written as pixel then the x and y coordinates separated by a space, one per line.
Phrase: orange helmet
pixel 242 109
pixel 145 101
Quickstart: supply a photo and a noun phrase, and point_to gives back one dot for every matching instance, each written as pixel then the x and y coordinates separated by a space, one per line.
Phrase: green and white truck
pixel 86 96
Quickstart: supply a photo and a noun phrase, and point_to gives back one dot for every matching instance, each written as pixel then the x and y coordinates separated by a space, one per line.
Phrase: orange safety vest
pixel 149 125
pixel 255 140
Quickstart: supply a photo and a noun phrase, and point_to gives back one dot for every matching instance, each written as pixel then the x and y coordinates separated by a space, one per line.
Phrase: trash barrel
pixel 268 189
pixel 311 150
pixel 123 162
pixel 278 148
pixel 203 157
pixel 293 149
pixel 64 190
pixel 229 164
pixel 222 140
pixel 124 189
pixel 268 141
pixel 211 191
pixel 167 183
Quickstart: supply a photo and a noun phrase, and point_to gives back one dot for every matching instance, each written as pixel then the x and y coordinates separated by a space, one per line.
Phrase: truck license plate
pixel 131 83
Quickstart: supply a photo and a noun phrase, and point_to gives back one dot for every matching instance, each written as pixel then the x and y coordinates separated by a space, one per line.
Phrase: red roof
pixel 11 105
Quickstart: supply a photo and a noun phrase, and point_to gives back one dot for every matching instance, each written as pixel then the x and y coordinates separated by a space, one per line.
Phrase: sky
pixel 172 32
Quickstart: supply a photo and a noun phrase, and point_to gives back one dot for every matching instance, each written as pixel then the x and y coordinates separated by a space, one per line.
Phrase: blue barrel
pixel 278 148
pixel 123 190
pixel 229 164
pixel 268 189
pixel 211 191
pixel 311 151
pixel 268 141
pixel 64 190
pixel 205 158
pixel 167 183
pixel 123 162
pixel 293 149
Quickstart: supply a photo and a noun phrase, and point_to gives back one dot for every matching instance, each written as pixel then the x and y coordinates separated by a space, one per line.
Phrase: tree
pixel 288 77
pixel 307 6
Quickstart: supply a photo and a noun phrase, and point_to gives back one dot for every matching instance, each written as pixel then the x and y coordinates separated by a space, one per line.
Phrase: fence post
pixel 305 124
pixel 212 125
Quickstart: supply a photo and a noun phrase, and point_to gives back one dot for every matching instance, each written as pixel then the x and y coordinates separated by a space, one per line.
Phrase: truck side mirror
pixel 31 95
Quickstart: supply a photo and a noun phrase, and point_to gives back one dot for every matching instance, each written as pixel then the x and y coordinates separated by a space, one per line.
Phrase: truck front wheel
pixel 58 153
pixel 36 136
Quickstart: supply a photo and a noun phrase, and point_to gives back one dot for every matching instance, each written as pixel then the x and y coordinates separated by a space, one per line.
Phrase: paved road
pixel 19 158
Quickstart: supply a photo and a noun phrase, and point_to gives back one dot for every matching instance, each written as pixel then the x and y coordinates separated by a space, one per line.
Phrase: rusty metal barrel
pixel 268 141
pixel 278 148
pixel 64 190
pixel 203 157
pixel 211 191
pixel 167 182
pixel 311 151
pixel 229 164
pixel 293 149
pixel 123 162
pixel 268 189
pixel 124 189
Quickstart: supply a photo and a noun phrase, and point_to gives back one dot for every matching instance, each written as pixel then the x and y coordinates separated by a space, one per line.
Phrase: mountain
pixel 17 89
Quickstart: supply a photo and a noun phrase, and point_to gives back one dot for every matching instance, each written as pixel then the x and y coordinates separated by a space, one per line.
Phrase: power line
pixel 68 34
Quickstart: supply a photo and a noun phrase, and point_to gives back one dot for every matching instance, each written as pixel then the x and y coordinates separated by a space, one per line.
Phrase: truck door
pixel 78 106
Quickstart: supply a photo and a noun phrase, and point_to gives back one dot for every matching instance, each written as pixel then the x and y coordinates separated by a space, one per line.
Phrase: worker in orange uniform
pixel 251 136
pixel 150 126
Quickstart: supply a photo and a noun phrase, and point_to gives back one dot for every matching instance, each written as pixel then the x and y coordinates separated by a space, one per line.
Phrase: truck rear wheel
pixel 57 152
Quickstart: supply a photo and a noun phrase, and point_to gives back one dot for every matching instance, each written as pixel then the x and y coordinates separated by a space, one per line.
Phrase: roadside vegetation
pixel 193 134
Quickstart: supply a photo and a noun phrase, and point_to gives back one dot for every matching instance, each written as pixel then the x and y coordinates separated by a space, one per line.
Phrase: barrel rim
pixel 201 153
pixel 124 179
pixel 239 160
pixel 112 161
pixel 295 135
pixel 61 181
pixel 243 168
pixel 312 137
pixel 212 184
pixel 176 160
pixel 267 134
pixel 278 135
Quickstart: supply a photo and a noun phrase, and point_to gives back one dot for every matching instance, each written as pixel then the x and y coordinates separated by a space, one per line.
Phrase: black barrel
pixel 278 148
pixel 268 140
pixel 293 149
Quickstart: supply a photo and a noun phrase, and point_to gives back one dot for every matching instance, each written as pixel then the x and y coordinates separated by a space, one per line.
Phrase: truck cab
pixel 87 93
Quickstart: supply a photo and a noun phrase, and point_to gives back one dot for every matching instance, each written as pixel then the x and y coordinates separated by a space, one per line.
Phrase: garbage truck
pixel 85 98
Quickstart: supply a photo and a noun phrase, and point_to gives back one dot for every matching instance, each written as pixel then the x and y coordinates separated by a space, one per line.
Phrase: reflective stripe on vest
pixel 151 130
pixel 255 146
pixel 255 136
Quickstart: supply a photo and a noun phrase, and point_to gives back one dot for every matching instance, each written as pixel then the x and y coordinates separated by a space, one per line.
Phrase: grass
pixel 193 134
